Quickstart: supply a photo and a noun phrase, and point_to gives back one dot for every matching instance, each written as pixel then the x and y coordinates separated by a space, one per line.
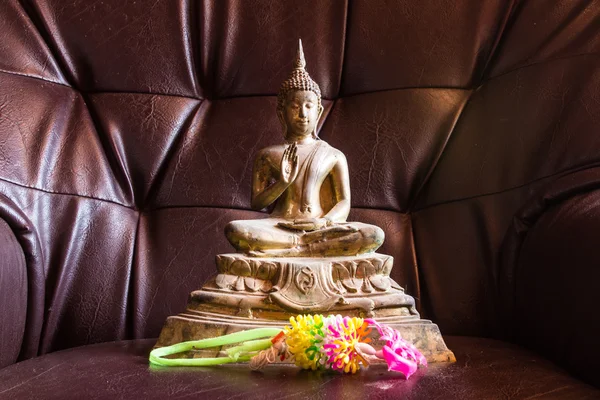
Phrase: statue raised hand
pixel 289 164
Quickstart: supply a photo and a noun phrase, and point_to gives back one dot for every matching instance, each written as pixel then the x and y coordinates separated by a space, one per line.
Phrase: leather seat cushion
pixel 486 369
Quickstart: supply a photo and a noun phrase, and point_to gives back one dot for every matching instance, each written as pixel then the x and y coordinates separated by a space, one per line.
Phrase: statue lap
pixel 343 239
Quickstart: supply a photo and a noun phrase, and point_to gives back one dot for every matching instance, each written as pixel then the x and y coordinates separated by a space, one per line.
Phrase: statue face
pixel 301 112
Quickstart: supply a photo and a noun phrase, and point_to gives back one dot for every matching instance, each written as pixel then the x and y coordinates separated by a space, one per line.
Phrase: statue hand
pixel 306 224
pixel 289 164
pixel 329 232
pixel 311 224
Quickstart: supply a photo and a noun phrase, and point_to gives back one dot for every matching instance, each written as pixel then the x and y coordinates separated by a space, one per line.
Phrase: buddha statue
pixel 304 257
pixel 308 183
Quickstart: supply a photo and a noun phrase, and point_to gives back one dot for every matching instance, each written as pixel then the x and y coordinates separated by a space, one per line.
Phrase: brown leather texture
pixel 486 370
pixel 128 130
pixel 556 230
pixel 13 295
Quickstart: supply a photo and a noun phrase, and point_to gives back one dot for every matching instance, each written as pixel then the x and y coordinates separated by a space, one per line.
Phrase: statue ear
pixel 318 119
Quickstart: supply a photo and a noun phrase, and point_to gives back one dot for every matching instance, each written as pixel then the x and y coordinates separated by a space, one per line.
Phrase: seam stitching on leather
pixel 550 60
pixel 342 67
pixel 417 270
pixel 508 21
pixel 130 306
pixel 194 42
pixel 556 174
pixel 441 152
pixel 175 145
pixel 83 196
pixel 37 21
pixel 115 164
pixel 116 92
pixel 39 78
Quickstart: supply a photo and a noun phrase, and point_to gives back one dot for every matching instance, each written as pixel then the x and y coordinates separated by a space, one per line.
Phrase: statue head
pixel 299 101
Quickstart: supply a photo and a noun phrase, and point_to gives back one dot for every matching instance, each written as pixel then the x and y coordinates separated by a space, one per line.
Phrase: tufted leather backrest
pixel 128 130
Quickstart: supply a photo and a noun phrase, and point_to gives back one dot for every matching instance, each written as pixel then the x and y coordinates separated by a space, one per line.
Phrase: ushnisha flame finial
pixel 299 79
pixel 300 61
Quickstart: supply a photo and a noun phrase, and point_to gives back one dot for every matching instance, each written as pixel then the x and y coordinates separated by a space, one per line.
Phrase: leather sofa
pixel 127 133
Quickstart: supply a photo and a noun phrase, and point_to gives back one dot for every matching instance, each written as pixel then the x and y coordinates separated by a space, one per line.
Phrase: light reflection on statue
pixel 308 181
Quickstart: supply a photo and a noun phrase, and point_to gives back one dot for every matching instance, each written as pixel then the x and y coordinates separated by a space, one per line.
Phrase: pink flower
pixel 399 354
pixel 342 338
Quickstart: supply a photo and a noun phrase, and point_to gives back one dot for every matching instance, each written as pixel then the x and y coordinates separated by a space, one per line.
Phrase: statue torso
pixel 302 198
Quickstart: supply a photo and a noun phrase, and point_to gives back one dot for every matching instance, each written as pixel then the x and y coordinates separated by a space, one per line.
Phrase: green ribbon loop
pixel 249 346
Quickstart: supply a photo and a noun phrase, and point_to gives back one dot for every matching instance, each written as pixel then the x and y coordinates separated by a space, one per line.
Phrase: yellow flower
pixel 304 339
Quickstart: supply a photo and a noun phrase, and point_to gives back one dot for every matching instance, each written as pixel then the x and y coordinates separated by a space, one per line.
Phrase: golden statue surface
pixel 304 258
pixel 308 182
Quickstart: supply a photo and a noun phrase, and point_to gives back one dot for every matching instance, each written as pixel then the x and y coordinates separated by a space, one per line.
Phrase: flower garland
pixel 311 341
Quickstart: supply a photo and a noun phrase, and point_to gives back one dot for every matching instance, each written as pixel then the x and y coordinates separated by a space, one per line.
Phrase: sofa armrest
pixel 553 270
pixel 13 295
pixel 16 302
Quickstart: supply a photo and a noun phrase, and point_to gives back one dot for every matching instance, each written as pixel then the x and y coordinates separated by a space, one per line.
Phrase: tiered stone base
pixel 424 334
pixel 252 292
